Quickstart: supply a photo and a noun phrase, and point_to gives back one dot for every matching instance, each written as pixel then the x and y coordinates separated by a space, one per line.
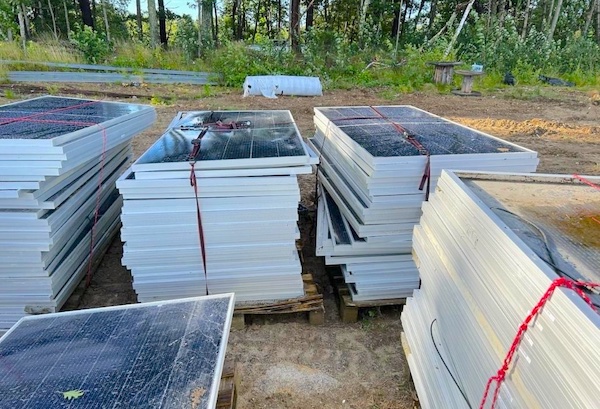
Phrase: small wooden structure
pixel 311 303
pixel 443 71
pixel 466 89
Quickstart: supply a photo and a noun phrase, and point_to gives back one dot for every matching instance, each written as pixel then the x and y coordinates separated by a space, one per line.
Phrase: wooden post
pixel 466 89
pixel 444 71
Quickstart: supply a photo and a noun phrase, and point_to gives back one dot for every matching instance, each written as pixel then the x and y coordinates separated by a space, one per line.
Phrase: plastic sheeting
pixel 270 86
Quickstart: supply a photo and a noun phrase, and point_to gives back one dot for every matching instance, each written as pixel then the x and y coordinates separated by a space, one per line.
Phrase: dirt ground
pixel 286 363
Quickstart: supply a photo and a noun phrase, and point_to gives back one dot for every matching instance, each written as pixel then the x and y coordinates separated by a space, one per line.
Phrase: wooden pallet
pixel 311 303
pixel 227 398
pixel 349 308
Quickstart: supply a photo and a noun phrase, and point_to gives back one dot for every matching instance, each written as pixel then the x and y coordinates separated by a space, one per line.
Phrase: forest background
pixel 347 43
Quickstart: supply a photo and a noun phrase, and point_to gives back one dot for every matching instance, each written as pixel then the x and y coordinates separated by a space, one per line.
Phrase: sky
pixel 176 6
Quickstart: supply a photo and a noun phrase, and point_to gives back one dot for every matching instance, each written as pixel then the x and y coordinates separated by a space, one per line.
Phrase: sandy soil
pixel 286 363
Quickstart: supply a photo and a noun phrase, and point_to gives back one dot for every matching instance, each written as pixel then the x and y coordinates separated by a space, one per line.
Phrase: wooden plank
pixel 348 308
pixel 311 303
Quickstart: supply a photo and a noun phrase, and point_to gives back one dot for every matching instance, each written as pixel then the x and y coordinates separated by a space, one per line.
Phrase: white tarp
pixel 270 86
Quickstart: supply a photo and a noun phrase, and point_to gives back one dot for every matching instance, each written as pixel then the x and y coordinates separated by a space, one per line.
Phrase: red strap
pixel 501 374
pixel 88 278
pixel 587 182
pixel 422 150
pixel 194 183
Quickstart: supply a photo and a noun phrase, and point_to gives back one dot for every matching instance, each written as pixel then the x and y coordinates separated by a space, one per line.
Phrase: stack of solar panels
pixel 59 160
pixel 248 200
pixel 373 160
pixel 488 247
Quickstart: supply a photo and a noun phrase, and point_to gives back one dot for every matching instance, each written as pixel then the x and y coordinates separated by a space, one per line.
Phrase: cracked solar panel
pixel 49 117
pixel 230 136
pixel 381 138
pixel 157 355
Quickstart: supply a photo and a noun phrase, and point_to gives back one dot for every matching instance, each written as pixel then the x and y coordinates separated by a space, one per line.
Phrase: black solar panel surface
pixel 258 134
pixel 379 136
pixel 50 117
pixel 145 357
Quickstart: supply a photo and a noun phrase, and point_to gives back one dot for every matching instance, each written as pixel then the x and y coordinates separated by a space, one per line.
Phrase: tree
pixel 555 19
pixel 152 20
pixel 86 13
pixel 138 15
pixel 295 25
pixel 162 23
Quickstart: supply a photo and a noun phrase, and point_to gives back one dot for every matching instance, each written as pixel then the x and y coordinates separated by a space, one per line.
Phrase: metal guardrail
pixel 105 77
pixel 106 74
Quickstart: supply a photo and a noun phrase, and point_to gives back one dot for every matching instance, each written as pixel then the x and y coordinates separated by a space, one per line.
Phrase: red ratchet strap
pixel 426 179
pixel 35 118
pixel 587 182
pixel 194 183
pixel 501 374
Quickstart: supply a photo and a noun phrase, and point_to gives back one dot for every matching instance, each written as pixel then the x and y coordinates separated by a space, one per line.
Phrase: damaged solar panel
pixel 246 139
pixel 158 355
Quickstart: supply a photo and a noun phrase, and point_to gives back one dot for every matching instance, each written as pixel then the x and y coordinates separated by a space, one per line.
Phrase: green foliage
pixel 186 38
pixel 9 94
pixel 93 45
pixel 501 48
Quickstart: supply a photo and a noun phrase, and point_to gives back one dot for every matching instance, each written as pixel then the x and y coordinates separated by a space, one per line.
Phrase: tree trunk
pixel 67 19
pixel 421 5
pixel 459 28
pixel 138 18
pixel 397 30
pixel 216 31
pixel 22 30
pixel 526 20
pixel 555 19
pixel 53 20
pixel 279 17
pixel 396 20
pixel 26 19
pixel 403 20
pixel 162 23
pixel 41 14
pixel 256 18
pixel 105 16
pixel 550 12
pixel 295 25
pixel 588 17
pixel 363 15
pixel 598 23
pixel 153 22
pixel 310 14
pixel 234 19
pixel 432 14
pixel 86 13
pixel 206 26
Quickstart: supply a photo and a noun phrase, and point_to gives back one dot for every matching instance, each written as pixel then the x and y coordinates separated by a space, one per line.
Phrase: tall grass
pixel 46 49
pixel 138 55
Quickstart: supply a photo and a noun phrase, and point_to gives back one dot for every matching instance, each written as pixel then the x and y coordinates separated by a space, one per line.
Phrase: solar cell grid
pixel 373 129
pixel 261 134
pixel 49 117
pixel 150 356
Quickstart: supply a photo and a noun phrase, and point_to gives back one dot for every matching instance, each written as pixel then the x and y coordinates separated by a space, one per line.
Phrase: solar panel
pixel 48 117
pixel 230 136
pixel 375 130
pixel 155 355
